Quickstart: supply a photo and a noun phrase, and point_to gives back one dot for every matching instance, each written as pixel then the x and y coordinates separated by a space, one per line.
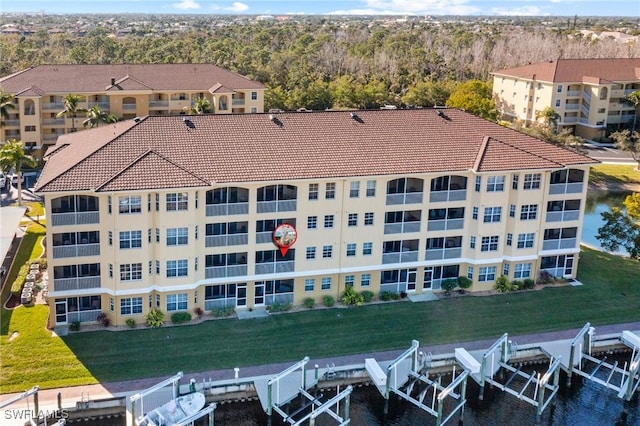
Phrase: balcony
pixel 398 228
pixel 445 224
pixel 128 107
pixel 276 206
pixel 12 123
pixel 565 188
pixel 226 240
pixel 275 267
pixel 559 244
pixel 444 253
pixel 53 122
pixel 227 209
pixel 80 218
pixel 572 106
pixel 405 198
pixel 237 102
pixel 570 120
pixel 574 93
pixel 563 215
pixel 83 316
pixel 80 283
pixel 158 104
pixel 78 250
pixel 225 271
pixel 55 106
pixel 455 195
pixel 104 106
pixel 225 302
pixel 399 257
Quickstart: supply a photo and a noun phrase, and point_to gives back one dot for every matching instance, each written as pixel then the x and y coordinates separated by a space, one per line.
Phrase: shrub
pixel 351 297
pixel 367 296
pixel 131 323
pixel 328 301
pixel 199 312
pixel 279 307
pixel 464 282
pixel 516 285
pixel 180 317
pixel 74 326
pixel 309 302
pixel 545 277
pixel 16 287
pixel 502 284
pixel 386 296
pixel 528 283
pixel 448 285
pixel 155 318
pixel 223 312
pixel 103 319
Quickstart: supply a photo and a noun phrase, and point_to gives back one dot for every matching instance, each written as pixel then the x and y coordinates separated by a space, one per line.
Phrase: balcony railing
pixel 405 256
pixel 84 316
pixel 225 271
pixel 565 188
pixel 158 104
pixel 448 253
pixel 398 228
pixel 227 209
pixel 80 283
pixel 559 244
pixel 574 93
pixel 226 240
pixel 228 302
pixel 128 107
pixel 55 105
pixel 270 299
pixel 572 106
pixel 570 120
pixel 407 198
pixel 104 106
pixel 12 123
pixel 53 122
pixel 275 267
pixel 237 102
pixel 78 250
pixel 264 237
pixel 276 206
pixel 455 195
pixel 80 218
pixel 563 215
pixel 445 224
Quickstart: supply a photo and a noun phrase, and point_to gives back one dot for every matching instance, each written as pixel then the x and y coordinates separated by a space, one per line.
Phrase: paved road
pixel 608 154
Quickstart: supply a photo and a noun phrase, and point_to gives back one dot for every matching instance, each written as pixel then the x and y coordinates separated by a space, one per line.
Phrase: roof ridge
pixel 481 152
pixel 521 149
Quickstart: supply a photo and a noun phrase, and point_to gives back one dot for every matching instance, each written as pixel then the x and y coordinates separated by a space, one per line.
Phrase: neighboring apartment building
pixel 125 90
pixel 586 93
pixel 175 212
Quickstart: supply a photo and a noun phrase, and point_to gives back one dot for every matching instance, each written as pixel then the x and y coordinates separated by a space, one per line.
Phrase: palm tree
pixel 550 118
pixel 633 98
pixel 71 108
pixel 199 106
pixel 95 115
pixel 6 104
pixel 13 156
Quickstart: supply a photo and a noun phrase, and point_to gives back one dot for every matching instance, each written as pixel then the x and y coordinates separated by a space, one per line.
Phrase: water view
pixel 596 204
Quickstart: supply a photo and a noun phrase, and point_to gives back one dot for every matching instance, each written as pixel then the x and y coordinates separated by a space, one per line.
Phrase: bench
pixel 467 361
pixel 378 376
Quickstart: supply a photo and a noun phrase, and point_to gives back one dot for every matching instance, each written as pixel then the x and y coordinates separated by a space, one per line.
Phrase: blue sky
pixel 343 7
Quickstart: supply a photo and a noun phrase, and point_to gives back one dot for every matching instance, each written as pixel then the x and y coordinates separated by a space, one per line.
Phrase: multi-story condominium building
pixel 124 90
pixel 176 212
pixel 587 94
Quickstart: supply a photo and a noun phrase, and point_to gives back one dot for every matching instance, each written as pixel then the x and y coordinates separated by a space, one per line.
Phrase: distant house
pixel 586 93
pixel 380 200
pixel 125 90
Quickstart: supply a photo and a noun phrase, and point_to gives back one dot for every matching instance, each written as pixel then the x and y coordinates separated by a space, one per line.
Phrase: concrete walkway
pixel 70 395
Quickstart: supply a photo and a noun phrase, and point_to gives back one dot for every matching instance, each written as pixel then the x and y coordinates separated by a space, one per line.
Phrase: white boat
pixel 174 411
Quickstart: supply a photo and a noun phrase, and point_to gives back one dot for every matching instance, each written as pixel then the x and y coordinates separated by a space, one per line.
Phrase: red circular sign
pixel 284 236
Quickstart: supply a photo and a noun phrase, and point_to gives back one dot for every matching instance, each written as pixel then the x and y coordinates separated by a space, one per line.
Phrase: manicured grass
pixel 614 173
pixel 610 295
pixel 34 209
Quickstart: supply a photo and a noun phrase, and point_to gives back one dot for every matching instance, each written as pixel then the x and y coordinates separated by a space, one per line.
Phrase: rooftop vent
pixel 275 120
pixel 137 119
pixel 187 121
pixel 113 81
pixel 356 117
pixel 442 115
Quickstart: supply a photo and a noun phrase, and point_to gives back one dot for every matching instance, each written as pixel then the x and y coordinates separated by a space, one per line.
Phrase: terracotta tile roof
pixel 575 70
pixel 97 78
pixel 163 151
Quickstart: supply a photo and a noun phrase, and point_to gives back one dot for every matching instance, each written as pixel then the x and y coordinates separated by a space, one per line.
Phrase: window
pixel 353 219
pixel 371 188
pixel 349 280
pixel 254 96
pixel 177 236
pixel 478 183
pixel 529 212
pixel 487 273
pixel 489 243
pixel 110 270
pixel 470 272
pixel 157 267
pixel 505 269
pixel 311 253
pixel 472 242
pixel 327 252
pixel 326 283
pixel 354 189
pixel 526 240
pixel 177 268
pixel 522 270
pixel 177 201
pixel 328 221
pixel 351 249
pixel 532 181
pixel 148 202
pixel 157 235
pixel 558 103
pixel 514 182
pixel 365 280
pixel 474 213
pixel 512 210
pixel 367 248
pixel 109 204
pixel 110 237
pixel 559 88
pixel 495 183
pixel 129 205
pixel 330 191
pixel 312 222
pixel 368 218
pixel 177 302
pixel 131 272
pixel 157 202
pixel 29 128
pixel 131 305
pixel 509 239
pixel 130 239
pixel 492 214
pixel 111 304
pixel 313 191
pixel 309 284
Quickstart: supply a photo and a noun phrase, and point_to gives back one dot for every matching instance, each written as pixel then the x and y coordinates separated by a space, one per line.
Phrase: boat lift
pixel 138 399
pixel 281 389
pixel 535 388
pixel 26 394
pixel 429 395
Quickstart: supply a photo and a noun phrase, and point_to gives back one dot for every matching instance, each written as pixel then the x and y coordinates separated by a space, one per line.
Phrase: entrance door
pixel 258 299
pixel 61 311
pixel 428 278
pixel 568 265
pixel 241 295
pixel 411 280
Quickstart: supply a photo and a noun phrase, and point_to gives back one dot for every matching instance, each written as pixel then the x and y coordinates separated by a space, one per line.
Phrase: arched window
pixel 223 102
pixel 129 103
pixel 604 92
pixel 29 107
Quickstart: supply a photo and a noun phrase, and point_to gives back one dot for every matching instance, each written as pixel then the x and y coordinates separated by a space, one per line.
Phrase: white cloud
pixel 518 11
pixel 187 5
pixel 236 7
pixel 413 7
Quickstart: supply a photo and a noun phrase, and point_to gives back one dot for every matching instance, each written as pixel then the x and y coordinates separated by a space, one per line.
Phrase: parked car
pixel 4 181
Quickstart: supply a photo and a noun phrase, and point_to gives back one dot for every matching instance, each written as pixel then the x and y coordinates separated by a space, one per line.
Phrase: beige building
pixel 125 90
pixel 177 213
pixel 586 93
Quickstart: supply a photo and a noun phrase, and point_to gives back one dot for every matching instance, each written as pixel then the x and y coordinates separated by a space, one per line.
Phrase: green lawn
pixel 611 294
pixel 614 173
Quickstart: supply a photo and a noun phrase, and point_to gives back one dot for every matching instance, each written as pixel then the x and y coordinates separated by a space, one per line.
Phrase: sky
pixel 629 8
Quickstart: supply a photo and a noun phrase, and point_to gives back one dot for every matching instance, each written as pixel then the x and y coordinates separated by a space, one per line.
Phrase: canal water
pixel 597 203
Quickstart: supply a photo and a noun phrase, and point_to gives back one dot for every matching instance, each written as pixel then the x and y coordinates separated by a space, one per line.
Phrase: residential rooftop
pixel 575 70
